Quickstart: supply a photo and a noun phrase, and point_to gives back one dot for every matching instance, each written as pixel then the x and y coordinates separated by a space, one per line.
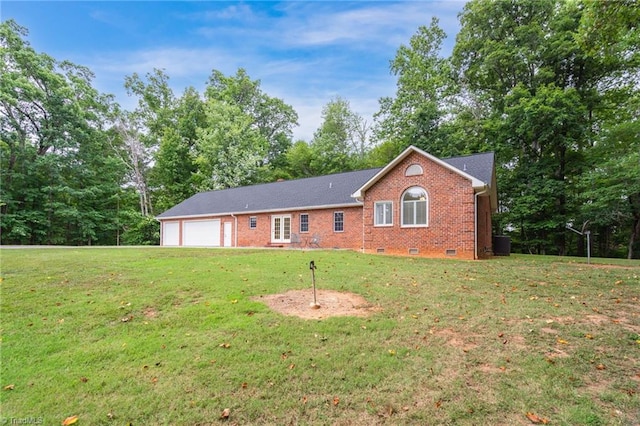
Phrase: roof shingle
pixel 308 193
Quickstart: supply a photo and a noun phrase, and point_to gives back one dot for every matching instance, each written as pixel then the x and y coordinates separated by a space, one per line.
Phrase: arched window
pixel 415 207
pixel 414 170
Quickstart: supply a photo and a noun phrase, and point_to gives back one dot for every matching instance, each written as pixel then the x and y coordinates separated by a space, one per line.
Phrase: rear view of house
pixel 416 205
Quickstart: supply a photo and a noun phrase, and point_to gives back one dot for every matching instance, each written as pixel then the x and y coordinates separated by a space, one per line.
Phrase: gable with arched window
pixel 415 207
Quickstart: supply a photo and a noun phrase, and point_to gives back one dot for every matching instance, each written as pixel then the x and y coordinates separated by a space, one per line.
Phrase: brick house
pixel 416 205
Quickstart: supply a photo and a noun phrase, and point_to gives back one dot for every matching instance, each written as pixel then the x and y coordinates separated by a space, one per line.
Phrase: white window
pixel 338 222
pixel 383 215
pixel 304 222
pixel 415 207
pixel 281 229
pixel 253 222
pixel 414 170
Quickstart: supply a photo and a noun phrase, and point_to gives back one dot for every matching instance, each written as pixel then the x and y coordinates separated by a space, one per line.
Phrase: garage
pixel 171 233
pixel 201 233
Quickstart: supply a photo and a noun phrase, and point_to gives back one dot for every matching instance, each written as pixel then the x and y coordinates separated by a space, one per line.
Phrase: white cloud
pixel 305 54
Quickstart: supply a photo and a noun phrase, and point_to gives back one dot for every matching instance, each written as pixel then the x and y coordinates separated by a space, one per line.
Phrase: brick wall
pixel 320 223
pixel 450 230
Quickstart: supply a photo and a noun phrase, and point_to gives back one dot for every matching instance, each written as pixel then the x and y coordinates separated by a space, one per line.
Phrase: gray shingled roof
pixel 480 166
pixel 329 190
pixel 321 191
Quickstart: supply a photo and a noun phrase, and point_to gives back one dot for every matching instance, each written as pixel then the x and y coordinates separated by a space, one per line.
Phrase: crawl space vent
pixel 451 252
pixel 414 251
pixel 379 250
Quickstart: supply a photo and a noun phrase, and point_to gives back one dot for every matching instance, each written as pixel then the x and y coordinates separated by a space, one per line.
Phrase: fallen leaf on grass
pixel 562 341
pixel 69 420
pixel 225 413
pixel 438 403
pixel 225 345
pixel 304 399
pixel 601 367
pixel 537 420
pixel 9 387
pixel 336 400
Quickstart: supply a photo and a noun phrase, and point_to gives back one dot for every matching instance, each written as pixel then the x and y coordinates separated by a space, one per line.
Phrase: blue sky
pixel 303 52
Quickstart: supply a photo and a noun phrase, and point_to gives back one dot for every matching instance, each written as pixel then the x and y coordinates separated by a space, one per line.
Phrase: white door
pixel 199 233
pixel 170 233
pixel 281 229
pixel 226 234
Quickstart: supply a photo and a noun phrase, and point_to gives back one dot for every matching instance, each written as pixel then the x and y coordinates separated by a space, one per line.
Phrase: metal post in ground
pixel 314 304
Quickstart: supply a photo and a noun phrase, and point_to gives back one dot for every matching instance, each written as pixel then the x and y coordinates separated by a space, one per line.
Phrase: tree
pixel 340 142
pixel 610 188
pixel 270 117
pixel 60 181
pixel 144 129
pixel 415 115
pixel 173 174
pixel 229 148
pixel 547 95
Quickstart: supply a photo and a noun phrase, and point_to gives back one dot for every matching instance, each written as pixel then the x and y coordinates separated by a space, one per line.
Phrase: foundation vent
pixel 414 251
pixel 451 252
pixel 379 250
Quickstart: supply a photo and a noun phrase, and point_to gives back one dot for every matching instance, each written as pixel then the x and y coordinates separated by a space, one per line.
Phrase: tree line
pixel 552 87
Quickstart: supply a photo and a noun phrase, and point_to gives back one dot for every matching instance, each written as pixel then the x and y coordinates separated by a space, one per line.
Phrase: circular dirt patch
pixel 332 303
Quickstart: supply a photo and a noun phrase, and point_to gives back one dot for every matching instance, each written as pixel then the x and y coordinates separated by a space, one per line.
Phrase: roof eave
pixel 246 212
pixel 477 184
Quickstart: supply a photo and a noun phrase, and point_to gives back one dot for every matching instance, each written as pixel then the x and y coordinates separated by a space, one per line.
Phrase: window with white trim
pixel 338 221
pixel 383 213
pixel 304 222
pixel 414 170
pixel 253 222
pixel 415 207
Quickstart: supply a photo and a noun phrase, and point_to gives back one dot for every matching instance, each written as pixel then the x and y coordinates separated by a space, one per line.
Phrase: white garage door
pixel 201 233
pixel 170 234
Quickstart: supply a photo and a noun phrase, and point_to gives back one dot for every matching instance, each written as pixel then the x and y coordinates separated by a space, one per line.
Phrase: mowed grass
pixel 175 336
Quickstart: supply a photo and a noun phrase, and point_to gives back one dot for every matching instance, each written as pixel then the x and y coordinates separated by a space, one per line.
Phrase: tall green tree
pixel 144 129
pixel 610 188
pixel 174 171
pixel 230 149
pixel 270 117
pixel 424 87
pixel 547 95
pixel 336 145
pixel 60 180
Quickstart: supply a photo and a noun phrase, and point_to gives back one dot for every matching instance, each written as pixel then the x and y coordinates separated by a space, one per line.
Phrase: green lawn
pixel 173 336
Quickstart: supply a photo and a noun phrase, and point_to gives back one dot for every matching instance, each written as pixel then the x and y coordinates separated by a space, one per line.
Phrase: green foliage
pixel 333 145
pixel 546 97
pixel 415 115
pixel 59 175
pixel 270 117
pixel 140 230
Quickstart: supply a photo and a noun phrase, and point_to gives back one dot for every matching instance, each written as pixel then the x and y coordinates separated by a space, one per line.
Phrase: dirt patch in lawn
pixel 332 303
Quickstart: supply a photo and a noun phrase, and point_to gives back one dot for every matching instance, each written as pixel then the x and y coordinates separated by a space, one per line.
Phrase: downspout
pixel 475 220
pixel 363 227
pixel 235 230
